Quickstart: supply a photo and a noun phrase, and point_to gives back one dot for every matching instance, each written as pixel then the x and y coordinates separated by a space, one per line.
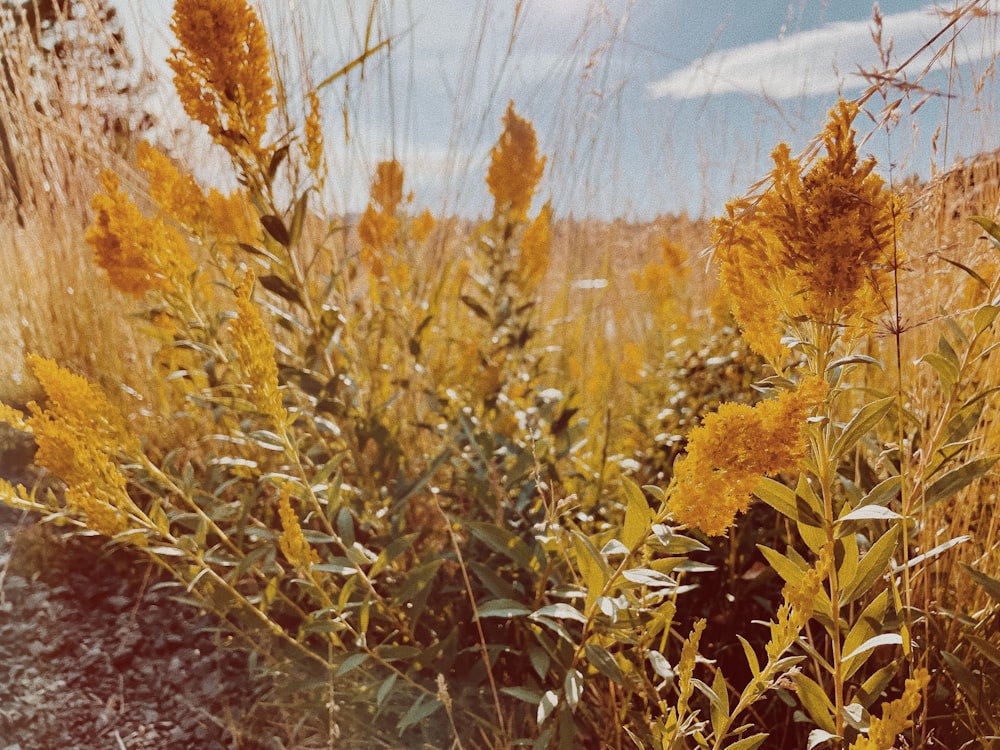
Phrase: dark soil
pixel 95 652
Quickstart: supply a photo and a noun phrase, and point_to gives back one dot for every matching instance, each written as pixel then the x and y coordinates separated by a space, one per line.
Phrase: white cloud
pixel 818 61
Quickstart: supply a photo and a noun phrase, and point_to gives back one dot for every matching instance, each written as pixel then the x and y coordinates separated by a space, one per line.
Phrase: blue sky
pixel 642 106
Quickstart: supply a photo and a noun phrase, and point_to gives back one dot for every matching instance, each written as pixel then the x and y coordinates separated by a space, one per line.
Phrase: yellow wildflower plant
pixel 535 248
pixel 817 245
pixel 292 541
pixel 178 195
pixel 895 719
pixel 222 69
pixel 387 187
pixel 255 355
pixel 139 254
pixel 515 167
pixel 78 433
pixel 736 447
pixel 314 136
pixel 422 226
pixel 379 226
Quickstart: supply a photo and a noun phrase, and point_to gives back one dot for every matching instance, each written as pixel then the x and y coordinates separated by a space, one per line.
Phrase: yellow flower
pixel 177 195
pixel 422 226
pixel 535 246
pixel 818 245
pixel 387 187
pixel 255 354
pixel 292 541
pixel 515 167
pixel 222 69
pixel 138 254
pixel 632 363
pixel 736 447
pixel 78 434
pixel 882 732
pixel 378 228
pixel 314 135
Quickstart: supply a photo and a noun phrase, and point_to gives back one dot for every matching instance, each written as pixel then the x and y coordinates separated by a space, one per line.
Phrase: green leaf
pixel 872 566
pixel 866 626
pixel 660 664
pixel 863 421
pixel 931 554
pixel 870 513
pixel 573 687
pixel 788 502
pixel 638 515
pixel 991 227
pixel 503 608
pixel 591 565
pixel 969 271
pixel 984 317
pixel 719 708
pixel 671 543
pixel 885 639
pixel 956 480
pixel 423 707
pixel 548 704
pixel 818 736
pixel 966 679
pixel 778 496
pixel 749 743
pixel 854 359
pixel 418 580
pixel 604 662
pixel 298 218
pixel 276 228
pixel 788 570
pixel 351 663
pixel 253 250
pixel 874 687
pixel 649 577
pixel 277 285
pixel 559 611
pixel 540 661
pixel 503 541
pixel 534 697
pixel 385 689
pixel 815 701
pixel 475 306
pixel 883 492
pixel 946 370
pixel 751 655
pixel 276 159
pixel 989 584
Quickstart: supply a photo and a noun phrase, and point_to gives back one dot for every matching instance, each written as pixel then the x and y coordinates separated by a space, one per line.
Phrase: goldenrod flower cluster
pixel 292 541
pixel 314 135
pixel 736 447
pixel 255 354
pixel 379 225
pixel 515 167
pixel 222 69
pixel 882 732
pixel 797 608
pixel 78 433
pixel 178 195
pixel 658 279
pixel 139 254
pixel 818 245
pixel 183 201
pixel 535 249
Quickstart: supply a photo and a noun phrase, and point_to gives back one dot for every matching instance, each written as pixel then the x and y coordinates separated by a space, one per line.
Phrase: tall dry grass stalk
pixel 58 126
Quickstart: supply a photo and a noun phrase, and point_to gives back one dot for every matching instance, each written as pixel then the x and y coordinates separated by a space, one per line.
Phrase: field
pixel 521 479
